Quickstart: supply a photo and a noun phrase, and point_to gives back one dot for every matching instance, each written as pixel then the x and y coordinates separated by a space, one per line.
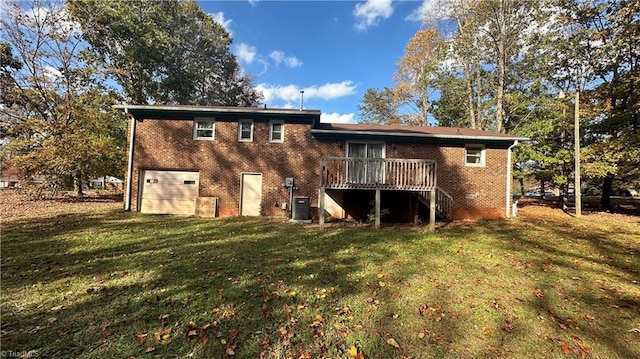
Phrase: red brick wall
pixel 478 192
pixel 169 145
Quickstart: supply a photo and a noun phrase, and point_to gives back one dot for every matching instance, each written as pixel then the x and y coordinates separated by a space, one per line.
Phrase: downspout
pixel 509 178
pixel 127 202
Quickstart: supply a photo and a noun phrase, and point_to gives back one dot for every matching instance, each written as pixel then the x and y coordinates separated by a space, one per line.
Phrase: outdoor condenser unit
pixel 300 211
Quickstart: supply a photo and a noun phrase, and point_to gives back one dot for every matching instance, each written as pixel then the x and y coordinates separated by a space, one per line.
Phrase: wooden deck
pixel 353 173
pixel 378 174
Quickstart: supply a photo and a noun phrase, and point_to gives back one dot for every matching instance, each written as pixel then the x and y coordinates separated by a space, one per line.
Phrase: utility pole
pixel 576 190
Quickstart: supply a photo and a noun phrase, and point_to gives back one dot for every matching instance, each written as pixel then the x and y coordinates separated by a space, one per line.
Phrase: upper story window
pixel 245 131
pixel 276 131
pixel 204 128
pixel 474 156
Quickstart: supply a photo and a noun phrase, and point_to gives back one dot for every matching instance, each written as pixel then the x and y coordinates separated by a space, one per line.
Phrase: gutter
pixel 127 201
pixel 414 134
pixel 218 109
pixel 509 178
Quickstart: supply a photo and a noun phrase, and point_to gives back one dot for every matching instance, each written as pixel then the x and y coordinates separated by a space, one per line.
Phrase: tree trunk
pixel 541 188
pixel 78 180
pixel 522 186
pixel 605 201
pixel 472 113
pixel 502 69
pixel 562 198
pixel 479 89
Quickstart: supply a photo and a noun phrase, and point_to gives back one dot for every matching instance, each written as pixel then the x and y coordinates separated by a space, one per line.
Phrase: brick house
pixel 236 161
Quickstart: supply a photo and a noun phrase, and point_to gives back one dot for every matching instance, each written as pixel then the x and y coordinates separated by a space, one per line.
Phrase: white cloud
pixel 417 15
pixel 336 117
pixel 246 53
pixel 220 19
pixel 369 13
pixel 51 72
pixel 291 93
pixel 277 56
pixel 254 2
pixel 290 61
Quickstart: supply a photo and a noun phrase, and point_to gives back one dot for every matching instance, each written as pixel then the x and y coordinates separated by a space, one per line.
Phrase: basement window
pixel 474 156
pixel 203 129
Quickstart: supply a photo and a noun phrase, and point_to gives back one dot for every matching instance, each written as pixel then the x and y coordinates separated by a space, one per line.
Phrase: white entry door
pixel 169 192
pixel 250 194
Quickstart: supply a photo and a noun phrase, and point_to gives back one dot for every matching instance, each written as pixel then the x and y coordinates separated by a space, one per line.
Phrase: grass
pixel 90 281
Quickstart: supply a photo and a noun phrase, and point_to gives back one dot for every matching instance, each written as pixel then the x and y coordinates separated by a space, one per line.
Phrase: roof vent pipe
pixel 301 98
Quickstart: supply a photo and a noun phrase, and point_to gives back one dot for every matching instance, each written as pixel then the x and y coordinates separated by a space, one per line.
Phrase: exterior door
pixel 250 194
pixel 365 171
pixel 169 192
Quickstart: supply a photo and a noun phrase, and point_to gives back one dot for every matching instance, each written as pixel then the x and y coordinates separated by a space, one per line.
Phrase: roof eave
pixel 328 133
pixel 212 109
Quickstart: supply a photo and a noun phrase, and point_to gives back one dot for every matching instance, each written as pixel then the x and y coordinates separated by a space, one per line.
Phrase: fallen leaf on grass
pixel 353 351
pixel 163 335
pixel 487 330
pixel 634 330
pixel 149 349
pixel 565 348
pixel 141 338
pixel 538 293
pixel 393 343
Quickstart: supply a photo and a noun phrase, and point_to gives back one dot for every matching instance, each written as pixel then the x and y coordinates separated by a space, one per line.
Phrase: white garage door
pixel 169 192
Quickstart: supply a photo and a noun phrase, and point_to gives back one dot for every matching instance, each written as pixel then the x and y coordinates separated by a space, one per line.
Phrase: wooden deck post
pixel 416 211
pixel 432 210
pixel 321 206
pixel 377 209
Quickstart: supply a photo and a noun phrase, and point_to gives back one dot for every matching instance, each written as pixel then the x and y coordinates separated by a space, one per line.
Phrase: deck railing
pixel 378 173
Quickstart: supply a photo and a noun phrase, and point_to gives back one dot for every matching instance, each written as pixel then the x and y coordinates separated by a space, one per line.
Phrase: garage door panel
pixel 169 192
pixel 190 191
pixel 168 206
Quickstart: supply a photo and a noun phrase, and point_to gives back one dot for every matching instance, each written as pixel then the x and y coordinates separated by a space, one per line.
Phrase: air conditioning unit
pixel 301 211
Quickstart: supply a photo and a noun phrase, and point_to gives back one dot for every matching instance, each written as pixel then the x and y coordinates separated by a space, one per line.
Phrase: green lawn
pixel 107 284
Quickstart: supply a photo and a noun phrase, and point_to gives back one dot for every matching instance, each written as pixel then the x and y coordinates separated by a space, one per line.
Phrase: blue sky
pixel 333 50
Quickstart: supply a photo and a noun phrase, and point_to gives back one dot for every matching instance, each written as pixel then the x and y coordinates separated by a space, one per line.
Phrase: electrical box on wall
pixel 289 182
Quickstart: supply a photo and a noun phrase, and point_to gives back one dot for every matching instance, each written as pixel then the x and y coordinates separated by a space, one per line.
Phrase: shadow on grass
pixel 580 269
pixel 85 278
pixel 112 284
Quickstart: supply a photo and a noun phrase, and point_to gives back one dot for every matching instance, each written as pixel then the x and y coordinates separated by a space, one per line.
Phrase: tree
pixel 415 73
pixel 57 121
pixel 378 106
pixel 450 109
pixel 614 139
pixel 168 52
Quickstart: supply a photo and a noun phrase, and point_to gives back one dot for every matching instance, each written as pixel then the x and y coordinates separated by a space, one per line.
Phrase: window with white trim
pixel 245 131
pixel 474 156
pixel 276 131
pixel 204 128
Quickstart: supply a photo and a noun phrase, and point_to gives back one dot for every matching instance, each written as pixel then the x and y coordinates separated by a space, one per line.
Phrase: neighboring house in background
pixel 106 182
pixel 238 159
pixel 10 177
